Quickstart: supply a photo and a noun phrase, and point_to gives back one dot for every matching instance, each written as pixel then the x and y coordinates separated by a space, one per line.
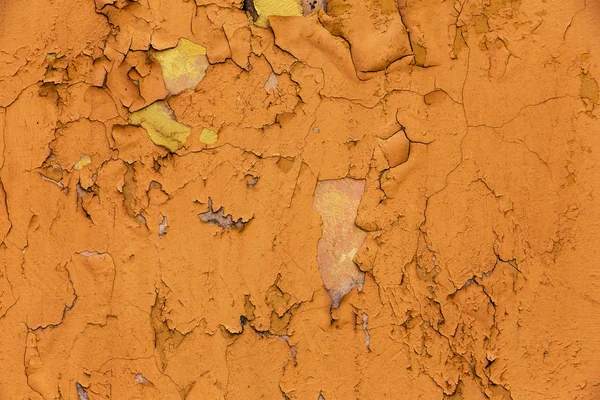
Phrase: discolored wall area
pixel 349 199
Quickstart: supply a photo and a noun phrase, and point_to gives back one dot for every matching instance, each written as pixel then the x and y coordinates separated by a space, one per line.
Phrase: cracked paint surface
pixel 180 181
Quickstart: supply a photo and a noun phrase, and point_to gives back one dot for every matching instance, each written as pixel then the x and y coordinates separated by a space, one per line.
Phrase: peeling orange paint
pixel 244 199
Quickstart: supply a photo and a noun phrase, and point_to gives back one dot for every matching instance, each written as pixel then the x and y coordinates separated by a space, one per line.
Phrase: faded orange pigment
pixel 373 200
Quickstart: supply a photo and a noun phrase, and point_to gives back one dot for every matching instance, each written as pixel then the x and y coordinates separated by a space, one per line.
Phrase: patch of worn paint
pixel 337 201
pixel 284 8
pixel 87 253
pixel 251 180
pixel 159 122
pixel 219 218
pixel 83 161
pixel 589 88
pixel 141 379
pixel 162 227
pixel 82 394
pixel 271 82
pixel 365 326
pixel 182 66
pixel 208 136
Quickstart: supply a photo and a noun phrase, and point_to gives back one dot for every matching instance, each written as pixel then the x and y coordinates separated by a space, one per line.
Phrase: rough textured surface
pixel 163 167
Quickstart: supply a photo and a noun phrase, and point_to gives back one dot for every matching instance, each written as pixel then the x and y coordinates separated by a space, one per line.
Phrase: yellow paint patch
pixel 158 121
pixel 208 136
pixel 83 161
pixel 182 66
pixel 284 8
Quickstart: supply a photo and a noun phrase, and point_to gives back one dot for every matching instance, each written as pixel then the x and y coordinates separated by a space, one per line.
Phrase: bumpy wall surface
pixel 343 199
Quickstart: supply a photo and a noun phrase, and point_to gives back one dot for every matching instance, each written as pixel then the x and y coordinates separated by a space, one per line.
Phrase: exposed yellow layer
pixel 182 66
pixel 162 129
pixel 284 8
pixel 83 161
pixel 208 136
